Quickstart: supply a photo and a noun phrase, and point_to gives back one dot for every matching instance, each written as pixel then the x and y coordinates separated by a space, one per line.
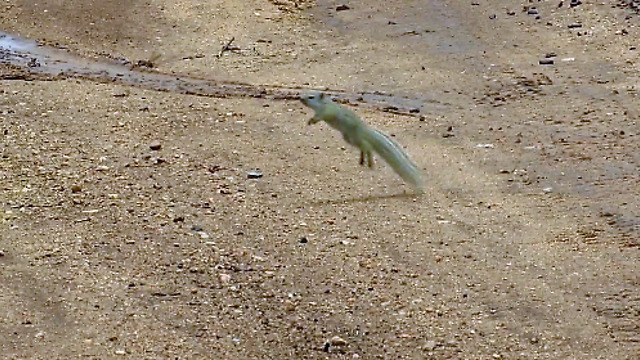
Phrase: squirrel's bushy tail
pixel 393 154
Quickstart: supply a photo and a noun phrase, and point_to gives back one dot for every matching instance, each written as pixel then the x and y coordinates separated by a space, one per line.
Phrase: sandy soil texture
pixel 133 224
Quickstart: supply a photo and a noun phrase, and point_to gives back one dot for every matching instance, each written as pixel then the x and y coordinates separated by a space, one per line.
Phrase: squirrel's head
pixel 313 98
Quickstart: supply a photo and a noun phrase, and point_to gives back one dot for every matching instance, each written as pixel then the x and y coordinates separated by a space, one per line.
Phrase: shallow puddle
pixel 52 63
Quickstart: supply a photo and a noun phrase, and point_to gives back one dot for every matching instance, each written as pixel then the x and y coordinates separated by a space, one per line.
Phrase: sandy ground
pixel 131 229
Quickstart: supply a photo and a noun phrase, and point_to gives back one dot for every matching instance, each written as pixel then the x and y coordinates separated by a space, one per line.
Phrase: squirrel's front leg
pixel 313 120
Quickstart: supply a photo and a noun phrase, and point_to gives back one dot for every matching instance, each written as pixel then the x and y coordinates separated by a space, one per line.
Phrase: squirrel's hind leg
pixel 370 159
pixel 366 157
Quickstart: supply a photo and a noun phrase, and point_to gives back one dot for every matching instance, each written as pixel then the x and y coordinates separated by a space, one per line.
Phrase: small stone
pixel 342 7
pixel 254 174
pixel 155 145
pixel 102 168
pixel 196 228
pixel 546 61
pixel 303 240
pixel 76 189
pixel 430 345
pixel 121 352
pixel 225 278
pixel 337 341
pixel 574 25
pixel 532 11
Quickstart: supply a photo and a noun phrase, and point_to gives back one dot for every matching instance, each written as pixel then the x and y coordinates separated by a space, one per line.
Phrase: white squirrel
pixel 365 138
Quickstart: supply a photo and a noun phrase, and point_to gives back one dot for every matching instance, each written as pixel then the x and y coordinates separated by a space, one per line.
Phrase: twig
pixel 228 47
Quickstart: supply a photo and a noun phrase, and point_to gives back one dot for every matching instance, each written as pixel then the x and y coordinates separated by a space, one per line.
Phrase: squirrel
pixel 357 133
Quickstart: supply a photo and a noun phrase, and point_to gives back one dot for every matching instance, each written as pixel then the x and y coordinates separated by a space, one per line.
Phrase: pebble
pixel 225 278
pixel 155 145
pixel 254 174
pixel 76 189
pixel 337 341
pixel 157 161
pixel 430 345
pixel 546 61
pixel 342 7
